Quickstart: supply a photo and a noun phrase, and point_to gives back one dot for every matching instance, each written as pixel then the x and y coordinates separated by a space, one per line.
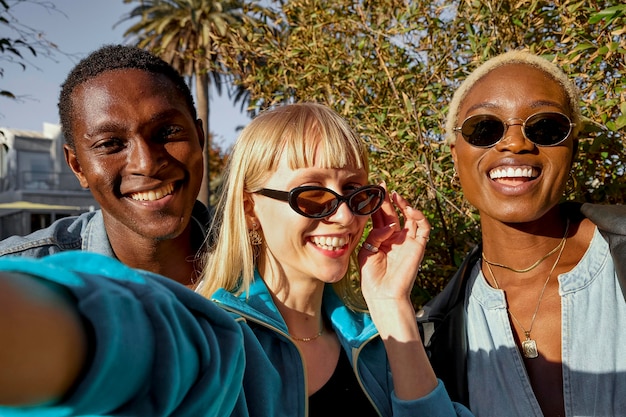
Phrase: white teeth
pixel 511 172
pixel 329 242
pixel 153 195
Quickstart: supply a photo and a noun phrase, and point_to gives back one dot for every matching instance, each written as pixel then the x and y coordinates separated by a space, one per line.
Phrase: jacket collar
pixel 352 327
pixel 96 239
pixel 611 221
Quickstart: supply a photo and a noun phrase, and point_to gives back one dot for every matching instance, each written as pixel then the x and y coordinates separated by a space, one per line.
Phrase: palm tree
pixel 191 35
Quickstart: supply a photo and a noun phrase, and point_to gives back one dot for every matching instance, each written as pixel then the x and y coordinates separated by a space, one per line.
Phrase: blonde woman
pixel 294 207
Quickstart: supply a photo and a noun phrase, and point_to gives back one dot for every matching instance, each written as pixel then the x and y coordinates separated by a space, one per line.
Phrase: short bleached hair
pixel 522 57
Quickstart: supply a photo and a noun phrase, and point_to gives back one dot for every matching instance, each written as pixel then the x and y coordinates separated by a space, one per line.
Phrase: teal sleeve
pixel 157 348
pixel 436 404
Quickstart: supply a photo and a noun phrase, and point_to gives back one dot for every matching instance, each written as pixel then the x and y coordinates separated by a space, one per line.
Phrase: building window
pixel 35 170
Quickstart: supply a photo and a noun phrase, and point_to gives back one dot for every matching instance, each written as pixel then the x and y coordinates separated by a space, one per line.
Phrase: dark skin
pixel 139 150
pixel 520 219
pixel 48 346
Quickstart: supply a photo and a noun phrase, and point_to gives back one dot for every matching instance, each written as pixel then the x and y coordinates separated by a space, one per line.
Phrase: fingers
pixel 370 247
pixel 415 223
pixel 377 237
pixel 387 214
pixel 387 229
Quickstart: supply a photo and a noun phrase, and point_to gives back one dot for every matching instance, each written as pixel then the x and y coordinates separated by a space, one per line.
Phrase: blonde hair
pixel 522 57
pixel 296 131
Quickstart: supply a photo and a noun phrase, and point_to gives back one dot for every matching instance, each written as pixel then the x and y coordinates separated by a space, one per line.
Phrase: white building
pixel 36 185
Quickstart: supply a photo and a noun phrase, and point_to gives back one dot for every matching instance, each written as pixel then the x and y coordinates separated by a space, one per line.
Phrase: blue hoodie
pixel 282 367
pixel 157 348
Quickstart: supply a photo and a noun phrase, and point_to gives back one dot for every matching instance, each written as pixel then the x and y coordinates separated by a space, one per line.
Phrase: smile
pixel 329 242
pixel 513 172
pixel 153 195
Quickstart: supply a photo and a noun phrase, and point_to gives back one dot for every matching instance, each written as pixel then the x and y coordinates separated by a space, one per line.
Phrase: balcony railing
pixel 34 180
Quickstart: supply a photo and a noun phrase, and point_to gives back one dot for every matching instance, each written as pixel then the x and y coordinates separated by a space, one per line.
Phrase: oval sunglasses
pixel 317 202
pixel 542 129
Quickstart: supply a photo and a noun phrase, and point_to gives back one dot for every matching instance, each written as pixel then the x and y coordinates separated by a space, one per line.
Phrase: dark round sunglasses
pixel 542 129
pixel 318 202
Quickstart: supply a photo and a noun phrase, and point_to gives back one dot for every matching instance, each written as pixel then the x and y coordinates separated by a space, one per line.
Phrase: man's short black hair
pixel 109 58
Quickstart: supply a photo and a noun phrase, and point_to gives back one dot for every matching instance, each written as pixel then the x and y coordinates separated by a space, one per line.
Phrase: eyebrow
pixel 112 126
pixel 169 114
pixel 534 105
pixel 102 128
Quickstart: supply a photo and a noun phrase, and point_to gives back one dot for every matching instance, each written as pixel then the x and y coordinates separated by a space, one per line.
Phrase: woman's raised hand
pixel 388 271
pixel 391 255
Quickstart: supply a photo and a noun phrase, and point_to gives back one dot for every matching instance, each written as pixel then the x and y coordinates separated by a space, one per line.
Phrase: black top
pixel 341 395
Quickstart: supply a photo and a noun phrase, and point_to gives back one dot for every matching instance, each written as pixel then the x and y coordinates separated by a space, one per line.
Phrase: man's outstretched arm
pixel 43 344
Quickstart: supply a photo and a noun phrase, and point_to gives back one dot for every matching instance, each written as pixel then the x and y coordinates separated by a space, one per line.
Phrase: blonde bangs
pixel 339 146
pixel 287 131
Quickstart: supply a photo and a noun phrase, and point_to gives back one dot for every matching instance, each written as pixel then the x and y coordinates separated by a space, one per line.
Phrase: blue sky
pixel 79 27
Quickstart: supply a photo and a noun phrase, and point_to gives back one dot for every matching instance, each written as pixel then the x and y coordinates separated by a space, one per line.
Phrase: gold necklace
pixel 536 264
pixel 529 346
pixel 308 339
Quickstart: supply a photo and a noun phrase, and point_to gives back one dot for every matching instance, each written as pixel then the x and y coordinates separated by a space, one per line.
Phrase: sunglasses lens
pixel 547 129
pixel 482 130
pixel 366 201
pixel 315 203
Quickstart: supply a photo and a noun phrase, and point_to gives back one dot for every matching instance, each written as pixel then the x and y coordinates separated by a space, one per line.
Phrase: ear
pixel 575 145
pixel 200 132
pixel 72 161
pixel 453 152
pixel 248 208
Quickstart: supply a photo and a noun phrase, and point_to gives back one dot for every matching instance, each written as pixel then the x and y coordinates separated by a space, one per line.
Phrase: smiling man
pixel 133 138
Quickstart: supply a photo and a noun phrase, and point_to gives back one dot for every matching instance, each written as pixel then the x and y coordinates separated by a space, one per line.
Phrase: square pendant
pixel 529 348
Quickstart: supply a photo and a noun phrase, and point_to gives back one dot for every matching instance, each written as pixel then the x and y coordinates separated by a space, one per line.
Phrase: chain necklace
pixel 536 264
pixel 308 339
pixel 311 338
pixel 529 346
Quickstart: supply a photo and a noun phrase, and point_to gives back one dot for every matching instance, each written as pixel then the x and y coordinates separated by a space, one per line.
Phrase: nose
pixel 514 139
pixel 145 158
pixel 343 215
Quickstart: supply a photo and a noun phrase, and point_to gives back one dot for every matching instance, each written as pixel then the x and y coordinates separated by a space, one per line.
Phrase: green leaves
pixel 19 39
pixel 608 14
pixel 391 67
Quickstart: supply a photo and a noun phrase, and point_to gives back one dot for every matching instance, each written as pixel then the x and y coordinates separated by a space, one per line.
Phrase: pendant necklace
pixel 529 346
pixel 536 264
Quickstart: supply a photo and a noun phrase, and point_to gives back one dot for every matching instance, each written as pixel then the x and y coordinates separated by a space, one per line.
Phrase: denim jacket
pixel 86 233
pixel 594 313
pixel 286 394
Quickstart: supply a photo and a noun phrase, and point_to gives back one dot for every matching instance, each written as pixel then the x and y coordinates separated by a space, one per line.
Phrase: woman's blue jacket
pixel 278 363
